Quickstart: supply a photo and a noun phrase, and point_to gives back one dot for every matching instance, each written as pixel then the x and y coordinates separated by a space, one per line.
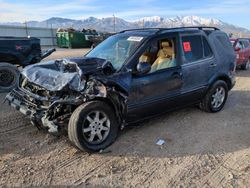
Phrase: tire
pixel 209 102
pixel 9 77
pixel 246 65
pixel 80 121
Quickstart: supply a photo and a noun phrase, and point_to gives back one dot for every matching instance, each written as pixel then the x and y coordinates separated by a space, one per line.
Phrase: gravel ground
pixel 201 149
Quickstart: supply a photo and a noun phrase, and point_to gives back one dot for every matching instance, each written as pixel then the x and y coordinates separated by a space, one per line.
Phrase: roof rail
pixel 201 27
pixel 165 29
pixel 141 29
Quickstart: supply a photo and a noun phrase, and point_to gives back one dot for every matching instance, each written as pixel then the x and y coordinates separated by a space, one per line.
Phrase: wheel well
pixel 105 100
pixel 227 80
pixel 111 104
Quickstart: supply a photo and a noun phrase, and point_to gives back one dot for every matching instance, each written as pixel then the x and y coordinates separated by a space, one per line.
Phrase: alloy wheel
pixel 96 127
pixel 218 97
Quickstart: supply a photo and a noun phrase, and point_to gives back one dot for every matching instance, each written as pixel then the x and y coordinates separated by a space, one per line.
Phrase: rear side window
pixel 192 47
pixel 195 48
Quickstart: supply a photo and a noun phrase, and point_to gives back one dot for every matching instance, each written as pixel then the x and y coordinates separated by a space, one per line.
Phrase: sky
pixel 235 12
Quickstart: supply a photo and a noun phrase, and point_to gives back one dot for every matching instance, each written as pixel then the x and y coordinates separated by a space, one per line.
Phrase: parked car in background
pixel 18 52
pixel 129 77
pixel 247 39
pixel 242 49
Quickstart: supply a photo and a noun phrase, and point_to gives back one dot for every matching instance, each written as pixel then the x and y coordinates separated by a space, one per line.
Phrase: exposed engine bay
pixel 49 92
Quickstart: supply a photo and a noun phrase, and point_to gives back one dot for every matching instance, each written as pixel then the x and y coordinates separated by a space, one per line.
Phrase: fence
pixel 46 35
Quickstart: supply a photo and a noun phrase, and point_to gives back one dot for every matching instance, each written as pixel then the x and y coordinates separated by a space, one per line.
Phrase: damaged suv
pixel 129 77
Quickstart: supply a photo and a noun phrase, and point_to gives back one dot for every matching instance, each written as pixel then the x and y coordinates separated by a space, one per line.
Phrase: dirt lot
pixel 66 53
pixel 201 150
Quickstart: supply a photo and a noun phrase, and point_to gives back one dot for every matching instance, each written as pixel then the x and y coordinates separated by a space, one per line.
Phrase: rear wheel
pixel 215 98
pixel 246 65
pixel 9 76
pixel 93 126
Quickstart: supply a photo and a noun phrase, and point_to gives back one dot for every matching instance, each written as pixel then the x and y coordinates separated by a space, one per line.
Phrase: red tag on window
pixel 187 47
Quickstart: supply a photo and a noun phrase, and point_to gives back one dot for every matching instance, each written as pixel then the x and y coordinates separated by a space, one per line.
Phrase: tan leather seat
pixel 164 57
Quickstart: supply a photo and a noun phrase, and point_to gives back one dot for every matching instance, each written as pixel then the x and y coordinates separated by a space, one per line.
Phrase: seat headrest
pixel 165 44
pixel 146 54
pixel 145 57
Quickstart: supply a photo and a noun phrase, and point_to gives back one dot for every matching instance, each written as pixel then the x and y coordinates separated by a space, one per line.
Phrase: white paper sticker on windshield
pixel 136 39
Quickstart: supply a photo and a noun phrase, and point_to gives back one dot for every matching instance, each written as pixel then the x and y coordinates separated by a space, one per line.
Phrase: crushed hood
pixel 55 75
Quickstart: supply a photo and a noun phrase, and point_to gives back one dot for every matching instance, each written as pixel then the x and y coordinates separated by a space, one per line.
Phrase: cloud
pixel 211 8
pixel 170 12
pixel 19 12
pixel 130 9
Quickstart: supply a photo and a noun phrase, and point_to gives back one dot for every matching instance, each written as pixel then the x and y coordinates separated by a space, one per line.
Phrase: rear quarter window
pixel 222 47
pixel 224 42
pixel 207 49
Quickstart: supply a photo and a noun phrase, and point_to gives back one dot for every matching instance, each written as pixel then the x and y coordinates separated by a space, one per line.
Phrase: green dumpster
pixel 72 40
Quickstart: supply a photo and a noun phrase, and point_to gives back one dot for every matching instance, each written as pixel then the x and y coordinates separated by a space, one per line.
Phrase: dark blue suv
pixel 131 76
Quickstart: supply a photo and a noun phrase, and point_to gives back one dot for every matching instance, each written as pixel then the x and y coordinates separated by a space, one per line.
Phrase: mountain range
pixel 111 24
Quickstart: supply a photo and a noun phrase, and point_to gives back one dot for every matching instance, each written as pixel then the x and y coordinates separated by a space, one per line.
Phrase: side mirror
pixel 143 68
pixel 237 49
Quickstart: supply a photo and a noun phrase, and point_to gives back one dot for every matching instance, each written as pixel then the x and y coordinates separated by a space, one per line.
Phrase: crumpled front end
pixel 52 113
pixel 55 75
pixel 50 92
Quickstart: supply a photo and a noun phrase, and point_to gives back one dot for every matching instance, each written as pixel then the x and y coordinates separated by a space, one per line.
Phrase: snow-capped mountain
pixel 183 21
pixel 107 24
pixel 196 21
pixel 151 19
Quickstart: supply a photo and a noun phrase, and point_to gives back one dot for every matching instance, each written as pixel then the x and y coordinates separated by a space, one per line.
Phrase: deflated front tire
pixel 93 126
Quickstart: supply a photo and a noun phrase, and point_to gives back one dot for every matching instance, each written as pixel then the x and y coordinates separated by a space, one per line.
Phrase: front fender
pixel 111 94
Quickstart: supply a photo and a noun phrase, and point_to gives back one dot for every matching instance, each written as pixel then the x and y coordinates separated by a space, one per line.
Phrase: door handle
pixel 177 75
pixel 213 65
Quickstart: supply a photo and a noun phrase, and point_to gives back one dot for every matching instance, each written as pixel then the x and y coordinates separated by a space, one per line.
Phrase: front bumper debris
pixel 17 99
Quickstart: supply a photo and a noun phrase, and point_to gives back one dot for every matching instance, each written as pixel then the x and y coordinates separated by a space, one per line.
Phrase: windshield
pixel 116 49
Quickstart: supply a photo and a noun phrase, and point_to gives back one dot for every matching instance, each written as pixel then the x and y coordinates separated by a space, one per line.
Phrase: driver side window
pixel 161 54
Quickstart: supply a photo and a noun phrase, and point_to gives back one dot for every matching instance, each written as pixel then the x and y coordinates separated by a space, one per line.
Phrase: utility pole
pixel 52 34
pixel 114 22
pixel 26 28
